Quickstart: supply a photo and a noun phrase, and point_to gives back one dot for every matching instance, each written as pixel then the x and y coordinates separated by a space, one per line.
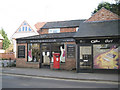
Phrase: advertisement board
pixel 107 58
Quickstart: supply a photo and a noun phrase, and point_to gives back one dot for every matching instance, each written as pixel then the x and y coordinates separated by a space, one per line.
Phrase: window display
pixel 33 52
pixel 106 56
pixel 58 48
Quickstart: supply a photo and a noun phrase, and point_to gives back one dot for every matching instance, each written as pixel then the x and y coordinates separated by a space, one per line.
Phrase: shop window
pixel 58 48
pixel 106 56
pixel 56 30
pixel 21 51
pixel 33 52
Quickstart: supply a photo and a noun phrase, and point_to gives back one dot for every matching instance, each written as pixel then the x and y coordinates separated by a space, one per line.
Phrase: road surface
pixel 21 81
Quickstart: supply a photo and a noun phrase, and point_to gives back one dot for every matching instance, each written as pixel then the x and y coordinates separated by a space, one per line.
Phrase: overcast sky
pixel 14 12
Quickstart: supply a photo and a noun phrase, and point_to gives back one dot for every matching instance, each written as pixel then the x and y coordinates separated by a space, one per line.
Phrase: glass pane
pixel 85 57
pixel 85 50
pixel 33 52
pixel 106 56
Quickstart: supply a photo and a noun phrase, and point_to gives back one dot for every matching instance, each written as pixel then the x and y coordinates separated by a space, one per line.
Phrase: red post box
pixel 56 57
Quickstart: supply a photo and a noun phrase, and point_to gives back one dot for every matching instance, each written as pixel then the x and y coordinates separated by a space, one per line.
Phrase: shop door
pixel 85 58
pixel 45 56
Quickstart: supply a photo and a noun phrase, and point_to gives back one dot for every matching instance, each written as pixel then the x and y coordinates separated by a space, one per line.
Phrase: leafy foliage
pixel 6 41
pixel 115 8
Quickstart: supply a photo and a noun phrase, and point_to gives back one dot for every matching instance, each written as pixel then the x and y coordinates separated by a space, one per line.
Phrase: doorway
pixel 45 55
pixel 85 62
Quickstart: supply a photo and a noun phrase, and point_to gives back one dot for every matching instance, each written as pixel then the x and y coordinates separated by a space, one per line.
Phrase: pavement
pixel 61 74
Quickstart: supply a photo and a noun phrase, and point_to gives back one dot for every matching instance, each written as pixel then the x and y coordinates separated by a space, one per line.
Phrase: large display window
pixel 106 56
pixel 58 48
pixel 33 52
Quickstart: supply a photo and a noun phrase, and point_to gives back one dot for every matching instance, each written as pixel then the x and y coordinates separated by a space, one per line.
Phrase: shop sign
pixel 99 41
pixel 95 41
pixel 46 40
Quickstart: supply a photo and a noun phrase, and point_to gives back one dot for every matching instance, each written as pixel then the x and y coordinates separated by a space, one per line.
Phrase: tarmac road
pixel 21 81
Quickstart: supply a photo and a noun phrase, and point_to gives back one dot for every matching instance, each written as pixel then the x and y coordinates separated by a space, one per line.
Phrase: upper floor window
pixel 23 28
pixel 77 29
pixel 25 23
pixel 26 28
pixel 29 29
pixel 55 30
pixel 19 29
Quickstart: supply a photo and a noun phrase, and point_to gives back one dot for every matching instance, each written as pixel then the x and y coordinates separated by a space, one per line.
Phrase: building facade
pixel 55 37
pixel 84 45
pixel 24 30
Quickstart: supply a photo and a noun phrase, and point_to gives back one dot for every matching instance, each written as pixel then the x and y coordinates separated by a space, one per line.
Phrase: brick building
pixel 55 37
pixel 77 41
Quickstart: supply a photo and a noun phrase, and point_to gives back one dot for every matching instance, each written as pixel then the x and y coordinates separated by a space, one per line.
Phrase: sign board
pixel 71 51
pixel 46 40
pixel 21 51
pixel 98 41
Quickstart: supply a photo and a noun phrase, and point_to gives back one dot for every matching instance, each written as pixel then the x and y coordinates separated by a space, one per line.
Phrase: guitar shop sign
pixel 99 41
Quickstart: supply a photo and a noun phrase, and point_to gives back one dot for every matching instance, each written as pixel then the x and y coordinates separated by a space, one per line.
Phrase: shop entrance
pixel 85 58
pixel 45 55
pixel 47 51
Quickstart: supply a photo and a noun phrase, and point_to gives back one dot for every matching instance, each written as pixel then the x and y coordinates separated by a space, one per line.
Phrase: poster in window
pixel 108 59
pixel 70 51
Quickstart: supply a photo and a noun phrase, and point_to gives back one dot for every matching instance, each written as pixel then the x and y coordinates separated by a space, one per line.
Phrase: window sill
pixel 60 63
pixel 32 62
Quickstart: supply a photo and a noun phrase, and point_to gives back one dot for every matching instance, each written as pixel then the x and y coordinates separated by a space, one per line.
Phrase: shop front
pixel 98 54
pixel 98 46
pixel 38 52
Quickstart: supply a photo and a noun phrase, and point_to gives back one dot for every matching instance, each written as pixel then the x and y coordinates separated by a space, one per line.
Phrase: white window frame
pixel 77 29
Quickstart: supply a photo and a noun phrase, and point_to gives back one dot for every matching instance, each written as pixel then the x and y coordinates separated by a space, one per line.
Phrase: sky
pixel 14 12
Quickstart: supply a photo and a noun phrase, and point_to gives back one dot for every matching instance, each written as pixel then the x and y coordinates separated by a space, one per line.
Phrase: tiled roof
pixel 39 25
pixel 51 35
pixel 101 28
pixel 102 15
pixel 60 24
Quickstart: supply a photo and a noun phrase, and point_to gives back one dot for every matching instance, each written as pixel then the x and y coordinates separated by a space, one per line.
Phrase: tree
pixel 112 7
pixel 6 41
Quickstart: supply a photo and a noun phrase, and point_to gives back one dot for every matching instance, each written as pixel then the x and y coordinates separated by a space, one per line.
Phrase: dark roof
pixel 50 36
pixel 101 28
pixel 60 24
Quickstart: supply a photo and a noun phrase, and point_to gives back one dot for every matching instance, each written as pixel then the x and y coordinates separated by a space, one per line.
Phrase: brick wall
pixel 7 56
pixel 22 62
pixel 67 30
pixel 45 31
pixel 70 63
pixel 103 14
